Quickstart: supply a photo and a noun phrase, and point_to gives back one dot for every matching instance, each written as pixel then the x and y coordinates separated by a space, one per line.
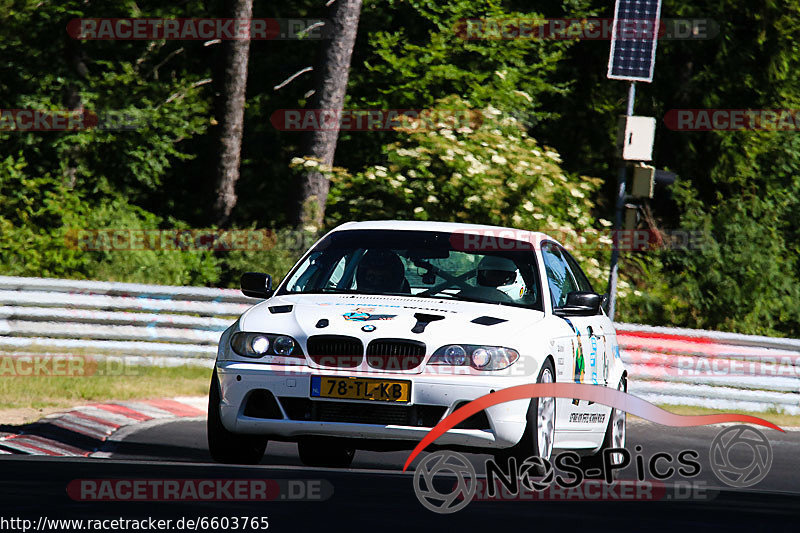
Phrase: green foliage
pixel 34 216
pixel 745 277
pixel 748 279
pixel 740 187
pixel 157 171
pixel 289 245
pixel 491 174
pixel 412 53
pixel 40 217
pixel 148 97
pixel 421 53
pixel 43 225
pixel 166 266
pixel 149 100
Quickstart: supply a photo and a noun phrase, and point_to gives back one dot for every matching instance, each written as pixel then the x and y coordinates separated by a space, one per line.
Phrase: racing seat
pixel 382 271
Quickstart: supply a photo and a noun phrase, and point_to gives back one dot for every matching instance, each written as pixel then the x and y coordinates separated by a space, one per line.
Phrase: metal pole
pixel 620 209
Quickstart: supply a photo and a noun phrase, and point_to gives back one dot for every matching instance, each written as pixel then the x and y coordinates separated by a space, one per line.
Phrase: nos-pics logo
pixel 433 482
pixel 445 482
pixel 740 474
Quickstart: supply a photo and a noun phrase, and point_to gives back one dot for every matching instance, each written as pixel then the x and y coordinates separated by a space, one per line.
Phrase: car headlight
pixel 455 355
pixel 284 345
pixel 476 356
pixel 257 345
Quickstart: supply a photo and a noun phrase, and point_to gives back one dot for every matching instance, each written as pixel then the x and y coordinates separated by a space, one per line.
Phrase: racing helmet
pixel 496 271
pixel 502 274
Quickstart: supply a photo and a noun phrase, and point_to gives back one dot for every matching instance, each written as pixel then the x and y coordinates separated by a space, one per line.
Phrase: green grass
pixel 779 419
pixel 131 382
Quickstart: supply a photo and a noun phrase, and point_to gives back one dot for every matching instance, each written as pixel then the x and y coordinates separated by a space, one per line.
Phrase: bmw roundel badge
pixel 368 328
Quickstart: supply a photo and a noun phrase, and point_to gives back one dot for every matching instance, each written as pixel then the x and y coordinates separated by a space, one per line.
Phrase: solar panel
pixel 633 40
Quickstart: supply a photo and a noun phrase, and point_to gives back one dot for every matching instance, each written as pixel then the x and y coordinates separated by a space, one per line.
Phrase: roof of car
pixel 450 227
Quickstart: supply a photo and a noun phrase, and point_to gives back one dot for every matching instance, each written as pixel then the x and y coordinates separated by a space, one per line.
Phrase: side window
pixel 559 278
pixel 580 277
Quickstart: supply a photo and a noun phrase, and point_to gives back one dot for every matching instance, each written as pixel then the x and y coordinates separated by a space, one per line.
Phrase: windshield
pixel 417 263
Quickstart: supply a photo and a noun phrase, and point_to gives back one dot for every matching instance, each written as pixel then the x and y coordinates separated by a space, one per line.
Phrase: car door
pixel 585 345
pixel 601 325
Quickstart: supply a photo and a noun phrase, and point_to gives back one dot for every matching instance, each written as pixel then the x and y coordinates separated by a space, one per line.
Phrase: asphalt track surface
pixel 374 495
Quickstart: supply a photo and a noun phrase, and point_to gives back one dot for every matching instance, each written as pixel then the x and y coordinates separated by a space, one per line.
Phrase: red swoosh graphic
pixel 593 393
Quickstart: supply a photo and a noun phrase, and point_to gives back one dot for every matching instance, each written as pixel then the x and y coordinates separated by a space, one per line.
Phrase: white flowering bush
pixel 486 172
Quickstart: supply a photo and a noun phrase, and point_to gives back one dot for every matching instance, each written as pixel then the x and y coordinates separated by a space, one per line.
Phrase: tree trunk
pixel 236 53
pixel 330 88
pixel 76 58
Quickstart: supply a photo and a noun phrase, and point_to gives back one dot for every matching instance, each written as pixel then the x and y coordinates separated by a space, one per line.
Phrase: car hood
pixel 432 321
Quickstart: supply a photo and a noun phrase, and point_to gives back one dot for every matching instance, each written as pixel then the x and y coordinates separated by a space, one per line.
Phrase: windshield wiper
pixel 323 290
pixel 334 290
pixel 445 296
pixel 437 296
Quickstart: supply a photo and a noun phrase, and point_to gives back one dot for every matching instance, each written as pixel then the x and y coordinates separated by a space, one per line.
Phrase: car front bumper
pixel 238 380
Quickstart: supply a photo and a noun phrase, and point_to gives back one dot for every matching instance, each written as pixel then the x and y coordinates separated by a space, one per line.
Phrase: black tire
pixel 595 460
pixel 528 446
pixel 325 453
pixel 227 447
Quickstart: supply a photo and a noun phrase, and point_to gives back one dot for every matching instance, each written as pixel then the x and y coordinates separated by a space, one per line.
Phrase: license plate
pixel 382 390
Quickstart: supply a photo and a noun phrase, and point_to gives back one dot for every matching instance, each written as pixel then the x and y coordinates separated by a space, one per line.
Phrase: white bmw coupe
pixel 384 328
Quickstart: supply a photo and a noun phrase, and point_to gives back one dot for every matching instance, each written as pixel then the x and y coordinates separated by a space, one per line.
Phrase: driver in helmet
pixel 381 271
pixel 501 273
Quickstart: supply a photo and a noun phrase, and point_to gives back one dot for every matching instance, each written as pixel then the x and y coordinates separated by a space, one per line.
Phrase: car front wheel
pixel 227 447
pixel 537 441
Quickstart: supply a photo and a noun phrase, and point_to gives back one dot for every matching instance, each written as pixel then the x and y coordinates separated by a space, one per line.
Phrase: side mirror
pixel 580 303
pixel 256 285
